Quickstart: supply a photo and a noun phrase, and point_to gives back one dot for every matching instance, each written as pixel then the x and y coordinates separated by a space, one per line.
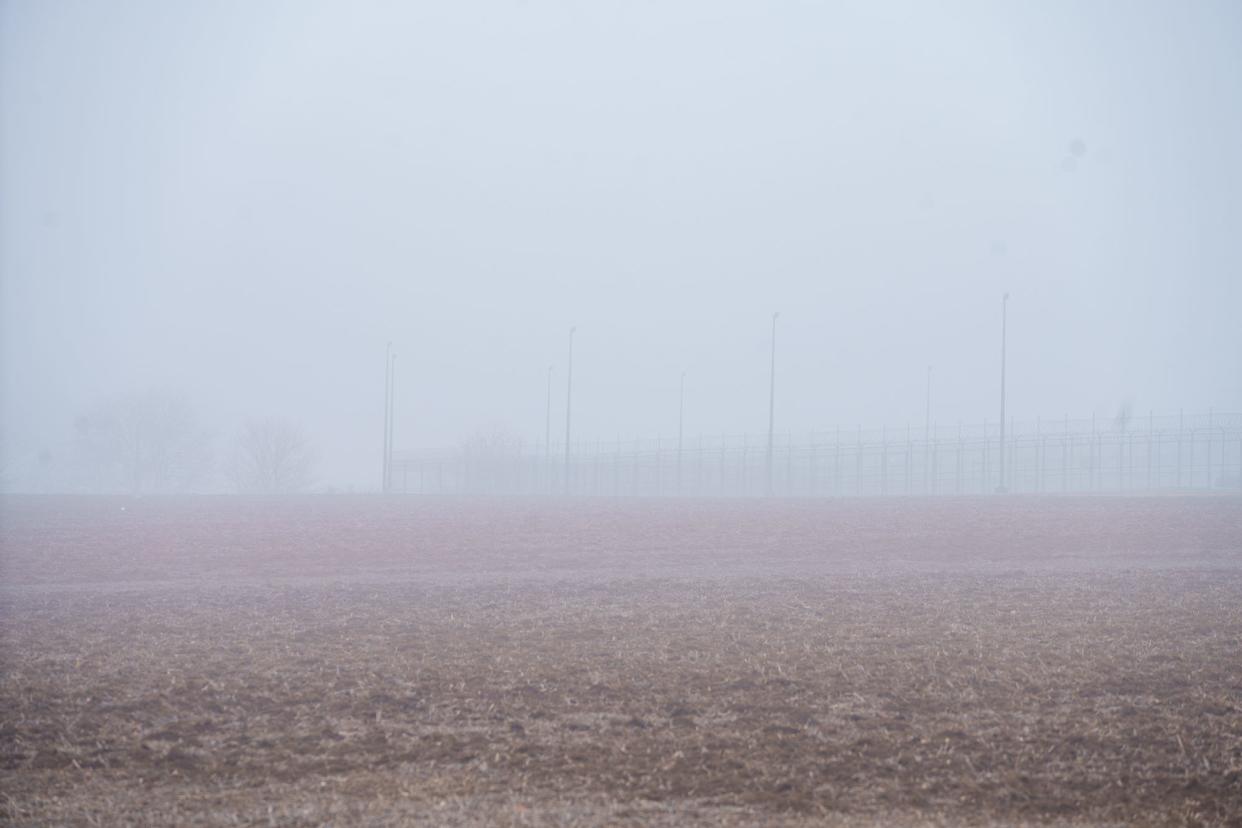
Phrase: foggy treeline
pixel 154 442
pixel 216 216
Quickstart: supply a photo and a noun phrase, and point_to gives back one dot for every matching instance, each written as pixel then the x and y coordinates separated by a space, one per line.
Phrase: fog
pixel 245 202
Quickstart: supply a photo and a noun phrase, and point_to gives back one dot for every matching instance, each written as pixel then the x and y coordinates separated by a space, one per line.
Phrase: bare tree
pixel 272 456
pixel 143 442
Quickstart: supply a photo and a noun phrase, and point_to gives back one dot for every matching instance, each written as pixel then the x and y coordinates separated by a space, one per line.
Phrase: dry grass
pixel 402 666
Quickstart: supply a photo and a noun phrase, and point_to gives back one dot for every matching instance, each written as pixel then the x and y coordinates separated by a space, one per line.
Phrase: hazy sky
pixel 246 200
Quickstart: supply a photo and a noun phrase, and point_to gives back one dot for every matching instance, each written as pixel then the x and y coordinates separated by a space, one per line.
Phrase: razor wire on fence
pixel 1045 456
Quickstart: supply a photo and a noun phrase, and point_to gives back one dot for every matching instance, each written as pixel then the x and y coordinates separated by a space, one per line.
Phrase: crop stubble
pixel 212 661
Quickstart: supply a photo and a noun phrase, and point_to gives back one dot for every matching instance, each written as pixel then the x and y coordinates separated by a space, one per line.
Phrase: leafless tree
pixel 143 442
pixel 272 456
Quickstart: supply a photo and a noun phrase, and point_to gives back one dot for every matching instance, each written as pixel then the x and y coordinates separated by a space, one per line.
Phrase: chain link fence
pixel 1045 456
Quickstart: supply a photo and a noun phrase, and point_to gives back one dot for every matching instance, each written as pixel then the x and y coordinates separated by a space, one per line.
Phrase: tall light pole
pixel 569 403
pixel 392 418
pixel 1004 319
pixel 547 434
pixel 927 434
pixel 772 403
pixel 681 420
pixel 387 398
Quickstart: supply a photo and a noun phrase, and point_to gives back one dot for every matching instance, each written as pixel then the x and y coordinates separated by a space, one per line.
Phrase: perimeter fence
pixel 1045 456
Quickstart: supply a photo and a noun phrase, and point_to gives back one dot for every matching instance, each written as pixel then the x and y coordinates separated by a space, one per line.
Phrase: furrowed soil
pixel 352 660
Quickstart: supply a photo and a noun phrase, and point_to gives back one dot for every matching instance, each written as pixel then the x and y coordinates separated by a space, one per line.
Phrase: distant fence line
pixel 1045 456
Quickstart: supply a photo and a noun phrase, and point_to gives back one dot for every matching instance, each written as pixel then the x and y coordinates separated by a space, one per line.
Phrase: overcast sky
pixel 247 200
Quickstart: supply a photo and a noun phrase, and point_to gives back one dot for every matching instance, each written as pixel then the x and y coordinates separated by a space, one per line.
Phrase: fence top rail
pixel 852 439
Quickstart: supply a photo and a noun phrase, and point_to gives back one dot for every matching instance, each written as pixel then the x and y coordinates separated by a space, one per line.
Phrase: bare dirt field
pixel 351 660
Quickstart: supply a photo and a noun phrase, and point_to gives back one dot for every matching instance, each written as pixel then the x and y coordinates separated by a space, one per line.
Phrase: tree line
pixel 153 442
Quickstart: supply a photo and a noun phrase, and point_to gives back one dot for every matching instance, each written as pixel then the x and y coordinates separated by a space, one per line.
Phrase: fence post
pixel 1039 455
pixel 1043 463
pixel 1011 450
pixel 1091 447
pixel 789 466
pixel 1151 436
pixel 698 467
pixel 958 461
pixel 1066 454
pixel 660 461
pixel 1190 461
pixel 1122 441
pixel 836 463
pixel 987 450
pixel 745 462
pixel 1099 454
pixel 1209 449
pixel 909 451
pixel 635 481
pixel 858 462
pixel 813 469
pixel 1130 456
pixel 883 460
pixel 1181 426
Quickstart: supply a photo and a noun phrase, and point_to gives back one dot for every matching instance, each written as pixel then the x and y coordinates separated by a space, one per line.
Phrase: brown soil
pixel 217 661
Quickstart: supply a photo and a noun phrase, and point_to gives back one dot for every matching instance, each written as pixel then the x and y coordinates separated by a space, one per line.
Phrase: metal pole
pixel 1039 455
pixel 569 399
pixel 789 464
pixel 387 392
pixel 772 404
pixel 836 462
pixel 659 463
pixel 958 460
pixel 1209 449
pixel 909 448
pixel 985 480
pixel 698 467
pixel 1004 318
pixel 883 460
pixel 927 435
pixel 547 435
pixel 858 464
pixel 392 409
pixel 1181 422
pixel 812 471
pixel 681 420
pixel 1092 450
pixel 1151 433
pixel 1066 453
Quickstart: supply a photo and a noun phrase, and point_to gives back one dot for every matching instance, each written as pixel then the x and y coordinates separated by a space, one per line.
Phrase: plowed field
pixel 222 661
